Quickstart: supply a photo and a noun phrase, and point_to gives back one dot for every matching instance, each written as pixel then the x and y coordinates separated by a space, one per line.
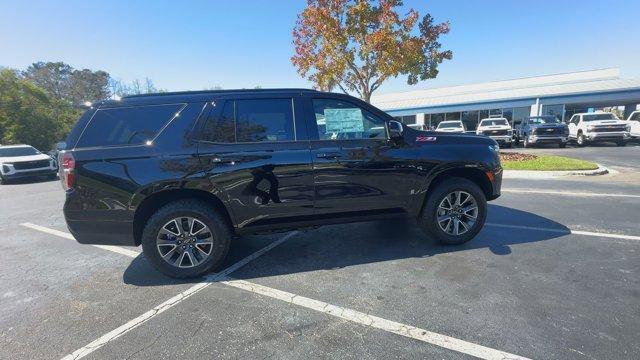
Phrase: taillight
pixel 68 164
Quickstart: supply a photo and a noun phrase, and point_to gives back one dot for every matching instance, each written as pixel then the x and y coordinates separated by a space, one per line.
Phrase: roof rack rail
pixel 204 92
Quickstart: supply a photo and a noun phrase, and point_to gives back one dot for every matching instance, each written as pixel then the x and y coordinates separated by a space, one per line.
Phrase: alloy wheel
pixel 185 242
pixel 457 213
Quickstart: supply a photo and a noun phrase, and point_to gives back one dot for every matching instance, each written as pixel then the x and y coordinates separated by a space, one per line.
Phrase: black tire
pixel 581 140
pixel 562 145
pixel 2 180
pixel 516 140
pixel 621 143
pixel 187 208
pixel 429 217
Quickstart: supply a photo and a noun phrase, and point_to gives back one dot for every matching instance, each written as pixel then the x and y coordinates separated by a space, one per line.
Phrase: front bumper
pixel 502 138
pixel 21 174
pixel 536 139
pixel 604 136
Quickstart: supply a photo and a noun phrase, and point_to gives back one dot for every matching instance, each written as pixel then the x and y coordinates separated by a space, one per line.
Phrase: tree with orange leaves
pixel 356 45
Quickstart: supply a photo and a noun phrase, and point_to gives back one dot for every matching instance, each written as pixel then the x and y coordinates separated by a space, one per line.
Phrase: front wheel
pixel 454 212
pixel 186 238
pixel 581 140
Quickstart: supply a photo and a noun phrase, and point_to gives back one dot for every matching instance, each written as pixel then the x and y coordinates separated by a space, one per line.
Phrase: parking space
pixel 525 286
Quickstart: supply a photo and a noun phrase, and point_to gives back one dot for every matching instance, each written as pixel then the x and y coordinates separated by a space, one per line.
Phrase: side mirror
pixel 395 129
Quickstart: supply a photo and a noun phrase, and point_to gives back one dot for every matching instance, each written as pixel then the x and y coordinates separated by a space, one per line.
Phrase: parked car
pixel 498 129
pixel 452 126
pixel 546 129
pixel 598 126
pixel 181 173
pixel 22 161
pixel 634 124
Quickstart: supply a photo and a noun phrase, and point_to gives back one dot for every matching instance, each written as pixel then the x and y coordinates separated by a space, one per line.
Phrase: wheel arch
pixel 474 174
pixel 147 207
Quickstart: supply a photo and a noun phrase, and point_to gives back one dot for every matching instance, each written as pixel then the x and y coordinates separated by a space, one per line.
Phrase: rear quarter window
pixel 127 125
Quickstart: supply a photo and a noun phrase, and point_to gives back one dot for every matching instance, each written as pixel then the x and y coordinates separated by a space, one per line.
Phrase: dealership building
pixel 561 95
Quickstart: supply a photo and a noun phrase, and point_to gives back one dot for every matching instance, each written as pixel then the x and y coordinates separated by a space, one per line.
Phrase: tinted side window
pixel 636 116
pixel 221 127
pixel 127 125
pixel 338 119
pixel 264 120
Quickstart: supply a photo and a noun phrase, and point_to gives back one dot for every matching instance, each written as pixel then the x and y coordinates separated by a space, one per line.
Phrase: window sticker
pixel 343 120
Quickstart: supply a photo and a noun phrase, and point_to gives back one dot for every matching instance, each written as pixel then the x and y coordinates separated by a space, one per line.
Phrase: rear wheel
pixel 454 212
pixel 186 238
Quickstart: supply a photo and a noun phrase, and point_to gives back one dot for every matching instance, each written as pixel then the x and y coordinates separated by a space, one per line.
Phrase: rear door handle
pixel 328 155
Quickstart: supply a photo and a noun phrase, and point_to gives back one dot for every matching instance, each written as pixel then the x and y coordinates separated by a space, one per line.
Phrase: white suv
pixel 634 124
pixel 20 161
pixel 598 126
pixel 498 129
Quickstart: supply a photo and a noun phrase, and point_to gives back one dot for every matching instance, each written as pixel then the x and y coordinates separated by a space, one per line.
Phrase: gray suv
pixel 541 130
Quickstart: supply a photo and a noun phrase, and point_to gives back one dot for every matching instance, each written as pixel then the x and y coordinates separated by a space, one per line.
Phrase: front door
pixel 256 154
pixel 573 126
pixel 355 167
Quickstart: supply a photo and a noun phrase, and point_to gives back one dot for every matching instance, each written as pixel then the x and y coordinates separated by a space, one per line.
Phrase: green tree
pixel 63 82
pixel 30 115
pixel 358 44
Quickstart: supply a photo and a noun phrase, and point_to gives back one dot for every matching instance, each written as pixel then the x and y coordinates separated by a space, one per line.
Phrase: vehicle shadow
pixel 339 246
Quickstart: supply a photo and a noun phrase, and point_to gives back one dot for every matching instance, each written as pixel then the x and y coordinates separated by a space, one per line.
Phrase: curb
pixel 533 174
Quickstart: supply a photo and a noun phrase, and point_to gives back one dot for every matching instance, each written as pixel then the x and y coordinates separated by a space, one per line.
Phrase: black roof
pixel 214 92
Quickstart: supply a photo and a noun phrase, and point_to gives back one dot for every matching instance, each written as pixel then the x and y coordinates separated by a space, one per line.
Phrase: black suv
pixel 182 173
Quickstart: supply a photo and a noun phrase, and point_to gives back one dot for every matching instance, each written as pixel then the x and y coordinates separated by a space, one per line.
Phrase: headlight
pixel 628 127
pixel 6 168
pixel 494 148
pixel 510 132
pixel 533 131
pixel 590 128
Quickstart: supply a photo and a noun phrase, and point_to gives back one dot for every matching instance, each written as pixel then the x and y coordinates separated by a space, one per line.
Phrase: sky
pixel 191 45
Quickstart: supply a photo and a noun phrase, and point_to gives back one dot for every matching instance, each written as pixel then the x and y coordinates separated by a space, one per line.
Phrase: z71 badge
pixel 425 138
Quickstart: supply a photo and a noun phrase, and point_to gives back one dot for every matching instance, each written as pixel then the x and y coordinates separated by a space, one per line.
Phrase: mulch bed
pixel 512 156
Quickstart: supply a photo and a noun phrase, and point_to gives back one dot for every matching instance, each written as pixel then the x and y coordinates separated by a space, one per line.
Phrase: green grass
pixel 549 163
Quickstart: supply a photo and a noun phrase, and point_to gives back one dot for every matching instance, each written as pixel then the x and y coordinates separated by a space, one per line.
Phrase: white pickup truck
pixel 634 124
pixel 598 126
pixel 498 129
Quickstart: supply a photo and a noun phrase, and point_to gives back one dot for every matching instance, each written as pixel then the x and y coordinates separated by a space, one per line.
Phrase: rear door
pixel 356 168
pixel 255 151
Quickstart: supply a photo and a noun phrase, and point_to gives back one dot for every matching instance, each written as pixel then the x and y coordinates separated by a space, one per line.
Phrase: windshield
pixel 18 151
pixel 448 125
pixel 494 122
pixel 544 120
pixel 595 117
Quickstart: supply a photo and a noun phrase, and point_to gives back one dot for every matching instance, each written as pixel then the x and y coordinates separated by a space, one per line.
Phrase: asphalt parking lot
pixel 554 275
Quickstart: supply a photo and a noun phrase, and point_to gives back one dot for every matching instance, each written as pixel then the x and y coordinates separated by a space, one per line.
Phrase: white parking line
pixel 132 324
pixel 115 249
pixel 376 322
pixel 355 316
pixel 568 231
pixel 565 193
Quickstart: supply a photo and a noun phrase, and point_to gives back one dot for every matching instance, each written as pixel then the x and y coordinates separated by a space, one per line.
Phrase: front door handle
pixel 217 160
pixel 328 155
